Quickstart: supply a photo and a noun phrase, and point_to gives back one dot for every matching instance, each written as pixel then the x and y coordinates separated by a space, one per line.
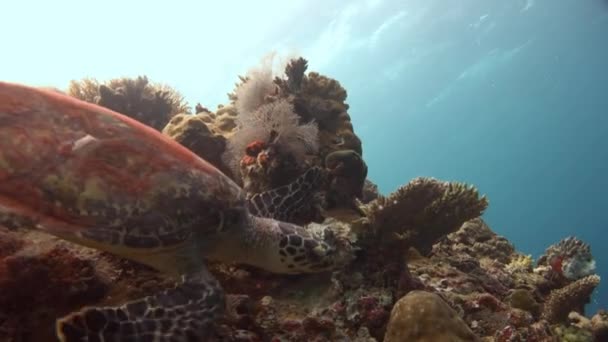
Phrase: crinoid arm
pixel 182 313
pixel 285 202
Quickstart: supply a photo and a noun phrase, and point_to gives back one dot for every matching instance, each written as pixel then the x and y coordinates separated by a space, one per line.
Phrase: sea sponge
pixel 572 297
pixel 570 258
pixel 423 211
pixel 150 103
pixel 423 316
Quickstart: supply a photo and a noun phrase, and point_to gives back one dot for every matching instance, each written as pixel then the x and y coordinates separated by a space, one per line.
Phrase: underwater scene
pixel 362 170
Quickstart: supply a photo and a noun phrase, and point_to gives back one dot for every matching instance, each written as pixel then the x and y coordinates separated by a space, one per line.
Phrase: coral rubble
pixel 428 268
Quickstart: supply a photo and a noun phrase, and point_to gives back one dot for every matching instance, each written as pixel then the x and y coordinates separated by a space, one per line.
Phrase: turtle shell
pixel 81 171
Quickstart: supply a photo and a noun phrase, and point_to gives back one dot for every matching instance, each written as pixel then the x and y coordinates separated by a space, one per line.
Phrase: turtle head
pixel 282 247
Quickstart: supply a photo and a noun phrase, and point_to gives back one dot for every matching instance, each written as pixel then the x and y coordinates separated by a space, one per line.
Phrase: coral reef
pixel 348 173
pixel 286 124
pixel 40 283
pixel 427 268
pixel 569 298
pixel 202 134
pixel 425 317
pixel 423 211
pixel 151 104
pixel 275 146
pixel 570 258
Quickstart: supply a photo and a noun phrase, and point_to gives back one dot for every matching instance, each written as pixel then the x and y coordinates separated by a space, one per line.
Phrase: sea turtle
pixel 97 178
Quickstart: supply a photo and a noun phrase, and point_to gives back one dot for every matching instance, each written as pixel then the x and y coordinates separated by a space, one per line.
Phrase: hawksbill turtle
pixel 97 178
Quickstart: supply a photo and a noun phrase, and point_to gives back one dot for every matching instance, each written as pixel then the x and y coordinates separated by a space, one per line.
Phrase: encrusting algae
pixel 424 265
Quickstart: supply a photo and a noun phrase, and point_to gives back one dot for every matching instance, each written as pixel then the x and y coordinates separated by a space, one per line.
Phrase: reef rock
pixel 286 124
pixel 424 317
pixel 204 134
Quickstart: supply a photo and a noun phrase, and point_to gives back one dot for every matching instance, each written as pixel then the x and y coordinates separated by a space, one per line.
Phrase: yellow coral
pixel 521 263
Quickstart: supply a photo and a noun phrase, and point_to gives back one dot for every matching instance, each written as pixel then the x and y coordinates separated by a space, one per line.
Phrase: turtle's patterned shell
pixel 77 168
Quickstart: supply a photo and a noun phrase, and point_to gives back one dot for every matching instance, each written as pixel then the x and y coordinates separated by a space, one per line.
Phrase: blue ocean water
pixel 511 96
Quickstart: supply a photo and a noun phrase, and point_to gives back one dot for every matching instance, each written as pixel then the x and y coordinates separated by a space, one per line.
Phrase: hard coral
pixel 200 134
pixel 149 103
pixel 572 297
pixel 570 258
pixel 423 316
pixel 423 211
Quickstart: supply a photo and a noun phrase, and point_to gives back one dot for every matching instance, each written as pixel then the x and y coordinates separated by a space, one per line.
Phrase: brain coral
pixel 424 317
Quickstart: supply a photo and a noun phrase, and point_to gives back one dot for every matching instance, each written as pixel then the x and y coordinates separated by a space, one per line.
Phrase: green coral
pixel 423 211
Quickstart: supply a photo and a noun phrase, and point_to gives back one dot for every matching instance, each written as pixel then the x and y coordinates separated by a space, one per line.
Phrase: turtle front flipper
pixel 285 202
pixel 182 313
pixel 283 247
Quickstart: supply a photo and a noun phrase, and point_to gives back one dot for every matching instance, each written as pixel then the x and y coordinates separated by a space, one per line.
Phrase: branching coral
pixel 572 297
pixel 570 258
pixel 424 210
pixel 295 72
pixel 150 103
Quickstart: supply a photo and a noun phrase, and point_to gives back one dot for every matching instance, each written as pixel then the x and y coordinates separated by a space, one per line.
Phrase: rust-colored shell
pixel 72 164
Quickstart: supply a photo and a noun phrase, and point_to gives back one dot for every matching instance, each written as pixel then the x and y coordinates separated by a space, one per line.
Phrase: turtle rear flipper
pixel 183 313
pixel 284 202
